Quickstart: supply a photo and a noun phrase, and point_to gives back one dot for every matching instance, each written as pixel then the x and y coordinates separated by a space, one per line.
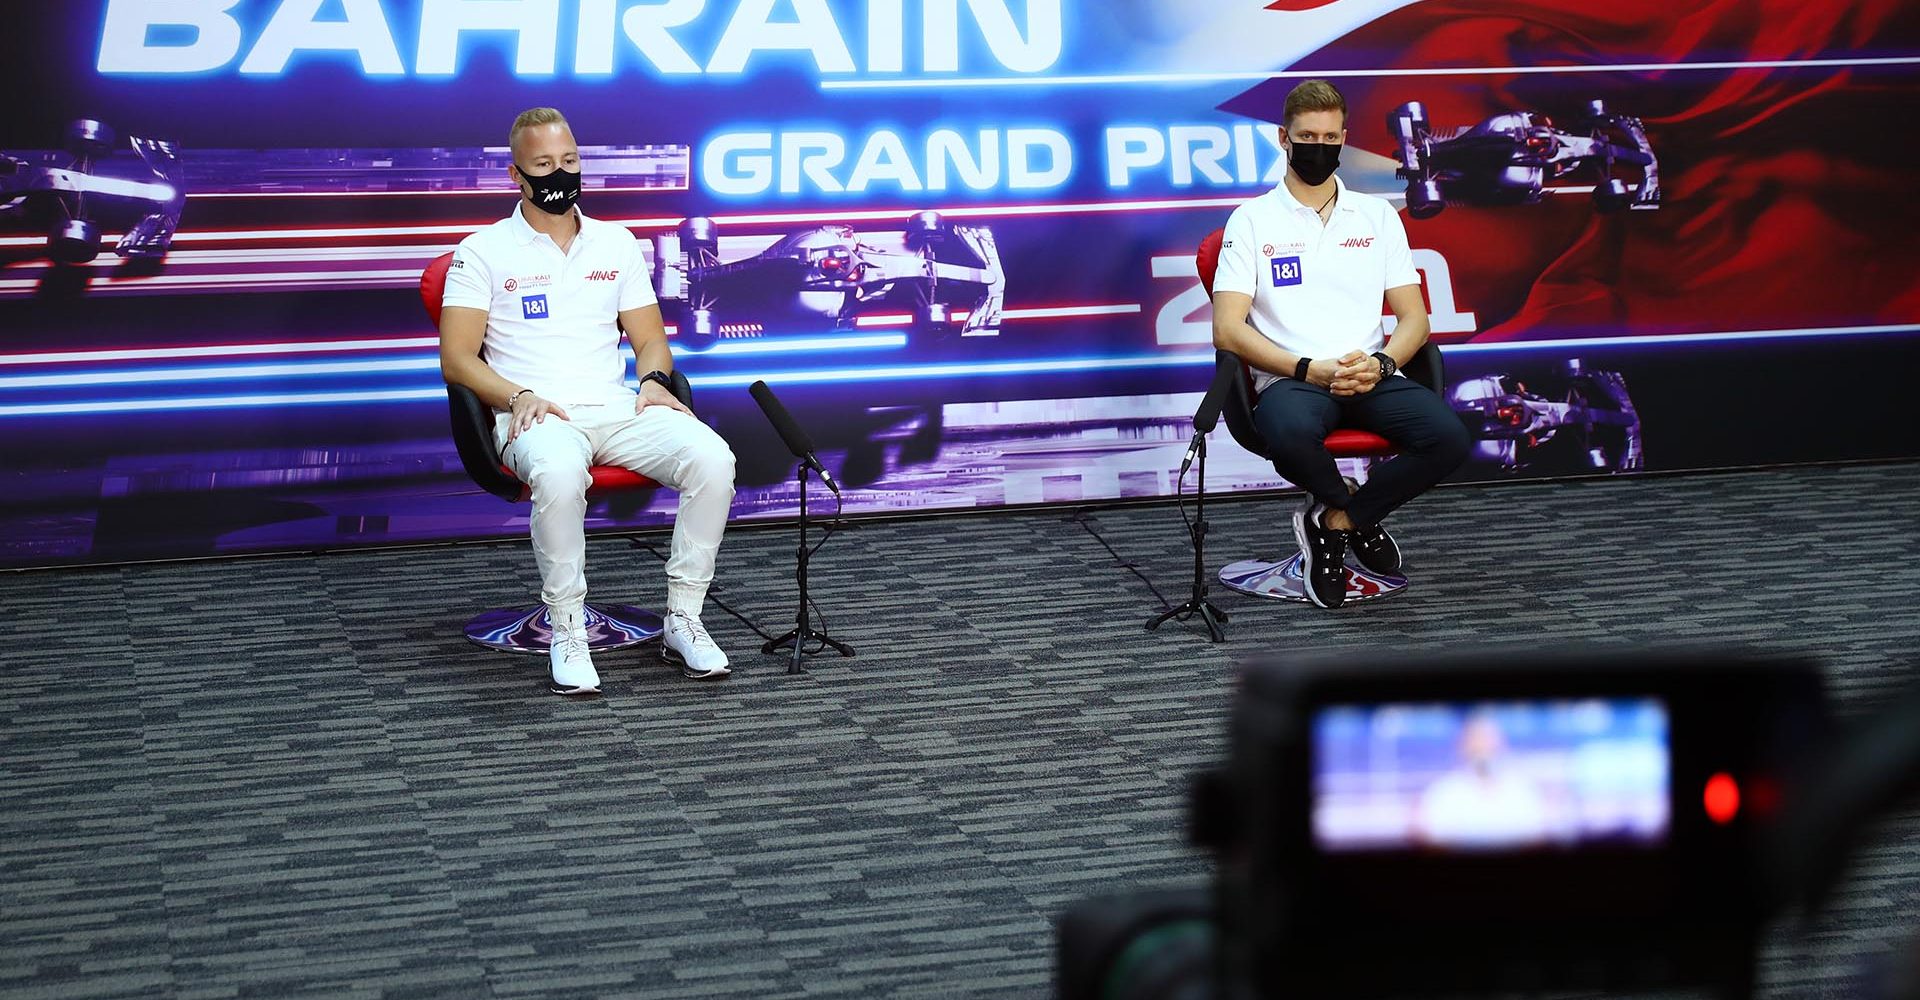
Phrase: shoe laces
pixel 572 641
pixel 693 630
pixel 1330 544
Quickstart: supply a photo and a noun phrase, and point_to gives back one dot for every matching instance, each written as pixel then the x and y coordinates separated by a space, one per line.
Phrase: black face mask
pixel 554 192
pixel 1314 161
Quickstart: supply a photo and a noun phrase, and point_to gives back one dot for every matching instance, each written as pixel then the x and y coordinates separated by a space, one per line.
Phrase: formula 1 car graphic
pixel 71 196
pixel 1576 419
pixel 1509 158
pixel 946 277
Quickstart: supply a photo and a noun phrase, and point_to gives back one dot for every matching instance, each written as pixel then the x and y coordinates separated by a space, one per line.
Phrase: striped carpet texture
pixel 290 777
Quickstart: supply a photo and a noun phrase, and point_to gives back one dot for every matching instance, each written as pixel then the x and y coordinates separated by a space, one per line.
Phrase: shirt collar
pixel 524 232
pixel 1292 204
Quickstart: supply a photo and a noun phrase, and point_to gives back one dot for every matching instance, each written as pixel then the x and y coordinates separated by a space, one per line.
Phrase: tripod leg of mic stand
pixel 1198 604
pixel 1215 618
pixel 1161 618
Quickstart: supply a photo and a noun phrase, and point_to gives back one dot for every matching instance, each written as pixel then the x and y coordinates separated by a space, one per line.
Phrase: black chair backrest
pixel 473 438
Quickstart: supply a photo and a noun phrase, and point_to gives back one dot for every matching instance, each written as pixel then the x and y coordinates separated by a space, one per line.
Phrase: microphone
pixel 1226 368
pixel 789 430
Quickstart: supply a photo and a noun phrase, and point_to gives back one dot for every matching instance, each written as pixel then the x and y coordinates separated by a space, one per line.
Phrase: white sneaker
pixel 687 643
pixel 573 672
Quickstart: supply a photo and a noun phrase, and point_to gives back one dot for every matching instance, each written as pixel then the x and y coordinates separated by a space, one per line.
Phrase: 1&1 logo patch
pixel 1286 271
pixel 534 306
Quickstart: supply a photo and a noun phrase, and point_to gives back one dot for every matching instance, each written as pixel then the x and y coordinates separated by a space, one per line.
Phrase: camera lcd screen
pixel 1497 776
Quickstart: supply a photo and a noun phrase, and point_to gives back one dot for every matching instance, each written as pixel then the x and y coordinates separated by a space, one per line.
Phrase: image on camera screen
pixel 1498 776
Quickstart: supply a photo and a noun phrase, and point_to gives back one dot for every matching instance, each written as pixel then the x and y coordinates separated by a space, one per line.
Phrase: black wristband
pixel 659 376
pixel 1300 370
pixel 1387 365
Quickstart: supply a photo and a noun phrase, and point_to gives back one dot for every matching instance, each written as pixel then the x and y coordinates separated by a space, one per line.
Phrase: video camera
pixel 1451 828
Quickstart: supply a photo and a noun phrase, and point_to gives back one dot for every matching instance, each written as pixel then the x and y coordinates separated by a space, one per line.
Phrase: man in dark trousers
pixel 1303 271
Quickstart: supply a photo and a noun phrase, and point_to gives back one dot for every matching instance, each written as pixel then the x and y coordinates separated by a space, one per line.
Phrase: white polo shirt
pixel 1318 290
pixel 552 317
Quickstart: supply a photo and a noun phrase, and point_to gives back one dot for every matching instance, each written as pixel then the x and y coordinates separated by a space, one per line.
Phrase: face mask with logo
pixel 1314 161
pixel 554 192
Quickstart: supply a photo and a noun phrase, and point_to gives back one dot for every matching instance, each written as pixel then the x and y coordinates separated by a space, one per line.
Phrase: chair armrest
pixel 1237 410
pixel 1427 368
pixel 473 439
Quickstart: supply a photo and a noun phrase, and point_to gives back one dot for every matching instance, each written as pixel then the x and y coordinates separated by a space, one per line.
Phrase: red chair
pixel 526 630
pixel 1283 579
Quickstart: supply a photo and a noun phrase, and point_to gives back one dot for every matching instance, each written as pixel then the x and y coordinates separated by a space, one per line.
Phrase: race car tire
pixel 1611 195
pixel 932 320
pixel 698 330
pixel 76 241
pixel 926 231
pixel 1424 200
pixel 700 237
pixel 88 138
pixel 865 464
pixel 923 445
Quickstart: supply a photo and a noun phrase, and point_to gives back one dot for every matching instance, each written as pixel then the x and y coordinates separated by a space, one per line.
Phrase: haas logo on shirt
pixel 1358 242
pixel 603 276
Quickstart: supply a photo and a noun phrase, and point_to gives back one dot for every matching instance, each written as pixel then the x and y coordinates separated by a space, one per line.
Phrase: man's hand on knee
pixel 654 394
pixel 529 409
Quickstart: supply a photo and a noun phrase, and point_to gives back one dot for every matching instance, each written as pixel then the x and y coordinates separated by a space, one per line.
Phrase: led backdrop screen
pixel 1652 236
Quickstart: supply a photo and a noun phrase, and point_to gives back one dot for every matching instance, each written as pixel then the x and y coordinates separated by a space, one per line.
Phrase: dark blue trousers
pixel 1295 417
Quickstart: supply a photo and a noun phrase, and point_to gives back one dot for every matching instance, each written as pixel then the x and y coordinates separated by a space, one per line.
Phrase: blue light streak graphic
pixel 895 373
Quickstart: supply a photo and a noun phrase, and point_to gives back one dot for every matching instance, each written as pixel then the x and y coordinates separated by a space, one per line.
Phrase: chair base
pixel 1284 581
pixel 524 630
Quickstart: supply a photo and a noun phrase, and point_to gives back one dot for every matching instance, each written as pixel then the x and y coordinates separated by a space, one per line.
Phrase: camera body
pixel 1443 827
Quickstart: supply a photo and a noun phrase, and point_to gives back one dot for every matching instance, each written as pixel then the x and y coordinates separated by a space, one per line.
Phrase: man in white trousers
pixel 531 322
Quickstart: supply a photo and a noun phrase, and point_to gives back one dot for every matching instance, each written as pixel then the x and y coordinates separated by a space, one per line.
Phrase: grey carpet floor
pixel 290 776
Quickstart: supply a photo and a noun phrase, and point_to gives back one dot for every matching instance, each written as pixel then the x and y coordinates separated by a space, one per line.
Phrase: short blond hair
pixel 1315 95
pixel 533 118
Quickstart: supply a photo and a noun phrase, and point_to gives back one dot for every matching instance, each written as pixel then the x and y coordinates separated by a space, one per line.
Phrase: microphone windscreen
pixel 782 421
pixel 1226 368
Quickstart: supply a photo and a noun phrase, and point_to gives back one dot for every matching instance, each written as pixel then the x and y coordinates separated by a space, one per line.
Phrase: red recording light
pixel 1722 798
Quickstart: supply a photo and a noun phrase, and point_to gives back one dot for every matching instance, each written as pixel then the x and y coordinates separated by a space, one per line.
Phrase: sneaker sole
pixel 565 691
pixel 672 656
pixel 1306 560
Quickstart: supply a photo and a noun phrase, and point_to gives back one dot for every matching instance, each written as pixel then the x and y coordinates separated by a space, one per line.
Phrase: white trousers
pixel 663 444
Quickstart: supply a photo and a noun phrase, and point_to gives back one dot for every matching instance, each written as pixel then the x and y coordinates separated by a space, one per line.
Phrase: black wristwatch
pixel 1300 370
pixel 656 375
pixel 1387 365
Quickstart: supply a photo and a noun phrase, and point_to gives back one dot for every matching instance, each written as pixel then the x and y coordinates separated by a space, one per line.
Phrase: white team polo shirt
pixel 1317 290
pixel 552 317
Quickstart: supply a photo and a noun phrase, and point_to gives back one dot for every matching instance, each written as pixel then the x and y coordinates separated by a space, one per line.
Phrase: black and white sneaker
pixel 1323 554
pixel 1376 549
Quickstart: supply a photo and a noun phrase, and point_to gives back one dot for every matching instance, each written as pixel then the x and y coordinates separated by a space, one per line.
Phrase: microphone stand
pixel 803 629
pixel 1198 603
